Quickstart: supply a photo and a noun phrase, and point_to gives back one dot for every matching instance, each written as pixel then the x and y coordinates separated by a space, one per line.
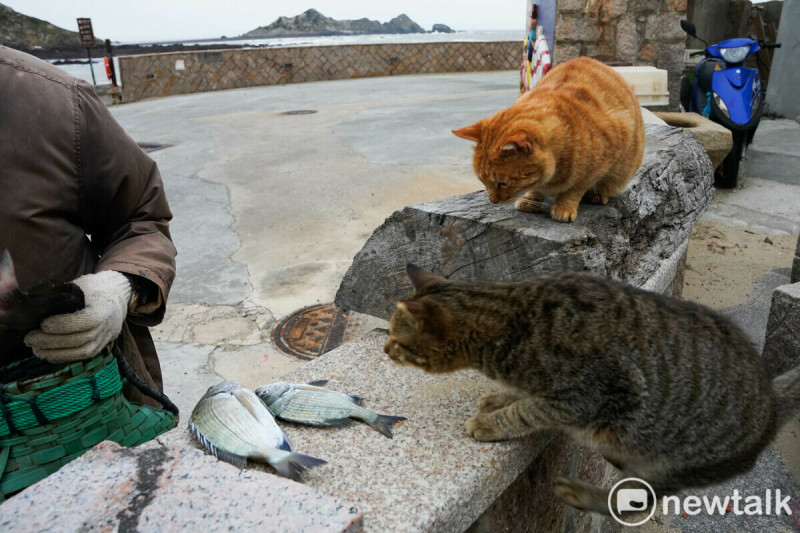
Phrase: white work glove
pixel 82 334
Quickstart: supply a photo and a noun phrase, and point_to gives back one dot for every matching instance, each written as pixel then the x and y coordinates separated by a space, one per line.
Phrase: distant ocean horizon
pixel 83 71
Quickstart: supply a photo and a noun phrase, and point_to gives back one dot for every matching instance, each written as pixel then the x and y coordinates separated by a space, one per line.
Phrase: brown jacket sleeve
pixel 123 205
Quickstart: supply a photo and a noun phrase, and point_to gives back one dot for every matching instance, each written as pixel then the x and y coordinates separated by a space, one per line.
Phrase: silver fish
pixel 232 424
pixel 315 405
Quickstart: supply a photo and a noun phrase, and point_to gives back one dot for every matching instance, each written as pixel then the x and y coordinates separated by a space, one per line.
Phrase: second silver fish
pixel 312 404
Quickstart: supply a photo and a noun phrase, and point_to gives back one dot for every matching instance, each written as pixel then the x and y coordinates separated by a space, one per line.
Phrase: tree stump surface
pixel 468 238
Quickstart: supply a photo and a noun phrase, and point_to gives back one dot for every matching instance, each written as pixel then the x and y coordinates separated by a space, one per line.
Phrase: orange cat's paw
pixel 480 427
pixel 563 214
pixel 595 197
pixel 523 204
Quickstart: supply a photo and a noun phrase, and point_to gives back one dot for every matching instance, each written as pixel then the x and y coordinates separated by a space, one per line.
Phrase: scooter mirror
pixel 689 28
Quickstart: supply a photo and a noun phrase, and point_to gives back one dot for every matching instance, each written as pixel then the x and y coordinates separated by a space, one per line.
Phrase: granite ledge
pixel 171 487
pixel 432 476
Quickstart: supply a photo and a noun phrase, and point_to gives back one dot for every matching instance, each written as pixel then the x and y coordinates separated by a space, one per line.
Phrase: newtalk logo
pixel 636 493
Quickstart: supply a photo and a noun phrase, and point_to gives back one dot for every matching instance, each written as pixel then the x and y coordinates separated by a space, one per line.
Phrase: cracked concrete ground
pixel 271 208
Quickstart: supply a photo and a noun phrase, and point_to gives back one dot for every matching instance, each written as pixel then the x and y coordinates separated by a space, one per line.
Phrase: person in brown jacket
pixel 80 201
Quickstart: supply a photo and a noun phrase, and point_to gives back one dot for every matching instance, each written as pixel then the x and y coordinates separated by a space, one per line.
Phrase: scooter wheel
pixel 686 94
pixel 727 174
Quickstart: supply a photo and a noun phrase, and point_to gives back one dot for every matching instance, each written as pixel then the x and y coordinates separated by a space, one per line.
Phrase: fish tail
pixel 292 465
pixel 8 279
pixel 384 423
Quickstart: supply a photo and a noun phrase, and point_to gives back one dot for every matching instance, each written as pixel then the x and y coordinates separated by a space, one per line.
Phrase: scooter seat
pixel 705 72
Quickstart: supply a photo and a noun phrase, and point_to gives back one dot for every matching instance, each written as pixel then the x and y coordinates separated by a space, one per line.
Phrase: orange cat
pixel 578 133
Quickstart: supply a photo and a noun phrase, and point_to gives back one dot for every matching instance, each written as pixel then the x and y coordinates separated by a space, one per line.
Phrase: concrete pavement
pixel 270 209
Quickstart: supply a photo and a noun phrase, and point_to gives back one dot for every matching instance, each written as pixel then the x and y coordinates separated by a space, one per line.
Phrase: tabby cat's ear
pixel 472 133
pixel 422 279
pixel 518 142
pixel 428 315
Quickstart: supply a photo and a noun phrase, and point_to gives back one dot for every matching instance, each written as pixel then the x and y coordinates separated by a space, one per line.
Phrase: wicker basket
pixel 48 420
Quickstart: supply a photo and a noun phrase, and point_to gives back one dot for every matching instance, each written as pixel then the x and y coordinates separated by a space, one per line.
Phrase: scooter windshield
pixel 736 50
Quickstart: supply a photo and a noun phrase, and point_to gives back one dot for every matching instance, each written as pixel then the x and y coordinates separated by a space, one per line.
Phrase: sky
pixel 164 20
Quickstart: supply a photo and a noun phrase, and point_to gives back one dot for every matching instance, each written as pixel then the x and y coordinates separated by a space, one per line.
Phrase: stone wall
pixel 635 32
pixel 147 76
pixel 717 20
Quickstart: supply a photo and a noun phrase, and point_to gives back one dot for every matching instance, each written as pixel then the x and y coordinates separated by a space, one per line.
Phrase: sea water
pixel 83 71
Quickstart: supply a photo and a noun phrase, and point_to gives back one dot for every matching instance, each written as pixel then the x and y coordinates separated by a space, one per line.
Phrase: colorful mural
pixel 536 58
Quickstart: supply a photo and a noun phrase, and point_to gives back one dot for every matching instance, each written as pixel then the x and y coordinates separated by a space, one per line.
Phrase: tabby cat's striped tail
pixel 787 395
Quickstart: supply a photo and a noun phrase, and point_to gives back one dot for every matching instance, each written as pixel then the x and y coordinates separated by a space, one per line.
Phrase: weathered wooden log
pixel 468 238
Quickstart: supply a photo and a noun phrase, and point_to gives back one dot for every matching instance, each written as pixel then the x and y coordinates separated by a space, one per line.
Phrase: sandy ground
pixel 724 263
pixel 723 267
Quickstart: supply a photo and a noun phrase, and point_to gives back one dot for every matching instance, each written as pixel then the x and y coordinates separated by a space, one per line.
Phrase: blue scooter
pixel 727 93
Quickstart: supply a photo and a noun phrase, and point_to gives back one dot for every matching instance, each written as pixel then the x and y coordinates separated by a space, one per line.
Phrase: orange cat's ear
pixel 422 279
pixel 518 142
pixel 472 133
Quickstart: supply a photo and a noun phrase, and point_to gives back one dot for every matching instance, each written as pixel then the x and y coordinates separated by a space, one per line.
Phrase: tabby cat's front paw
pixel 480 427
pixel 493 402
pixel 563 214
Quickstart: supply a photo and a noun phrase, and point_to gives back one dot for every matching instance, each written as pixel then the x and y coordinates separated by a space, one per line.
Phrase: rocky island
pixel 314 23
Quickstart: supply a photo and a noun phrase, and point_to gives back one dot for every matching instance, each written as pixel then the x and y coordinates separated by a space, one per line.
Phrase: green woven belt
pixel 17 414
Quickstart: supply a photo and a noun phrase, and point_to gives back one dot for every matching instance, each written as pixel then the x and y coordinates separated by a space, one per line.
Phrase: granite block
pixel 782 341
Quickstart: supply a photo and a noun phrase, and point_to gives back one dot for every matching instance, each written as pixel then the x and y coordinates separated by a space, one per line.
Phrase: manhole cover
pixel 300 112
pixel 152 147
pixel 311 331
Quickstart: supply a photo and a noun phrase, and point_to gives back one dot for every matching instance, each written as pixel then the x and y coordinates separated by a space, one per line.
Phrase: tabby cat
pixel 666 390
pixel 578 133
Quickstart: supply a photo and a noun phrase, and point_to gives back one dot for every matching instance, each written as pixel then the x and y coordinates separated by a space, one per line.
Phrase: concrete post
pixel 784 76
pixel 706 16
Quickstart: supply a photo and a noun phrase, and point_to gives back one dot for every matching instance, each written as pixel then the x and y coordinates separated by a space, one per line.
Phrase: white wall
pixel 784 77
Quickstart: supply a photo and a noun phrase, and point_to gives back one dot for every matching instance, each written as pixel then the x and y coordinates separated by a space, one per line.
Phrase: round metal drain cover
pixel 300 112
pixel 311 331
